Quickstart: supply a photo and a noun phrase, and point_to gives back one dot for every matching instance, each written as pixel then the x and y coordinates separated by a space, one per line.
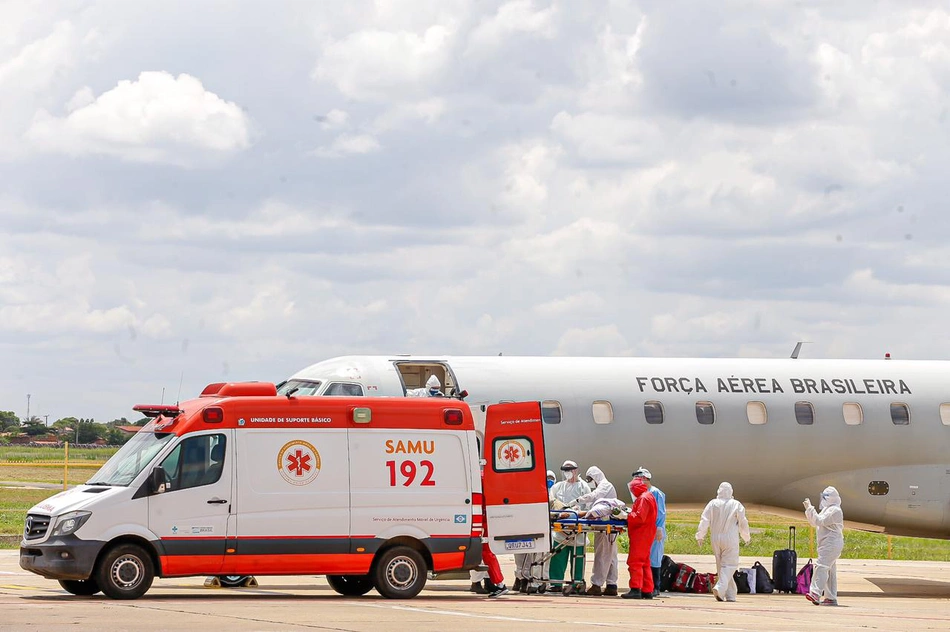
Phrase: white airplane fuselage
pixel 896 475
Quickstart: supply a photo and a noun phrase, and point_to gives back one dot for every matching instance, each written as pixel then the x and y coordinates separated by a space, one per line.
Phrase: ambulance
pixel 370 492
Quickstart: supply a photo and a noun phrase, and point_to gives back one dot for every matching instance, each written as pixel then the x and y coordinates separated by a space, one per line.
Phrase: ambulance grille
pixel 36 526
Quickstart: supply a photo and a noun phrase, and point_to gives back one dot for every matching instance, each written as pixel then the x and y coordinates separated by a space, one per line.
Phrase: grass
pixel 26 454
pixel 14 503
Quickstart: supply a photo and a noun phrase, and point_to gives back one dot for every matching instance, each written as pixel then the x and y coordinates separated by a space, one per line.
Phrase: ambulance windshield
pixel 131 459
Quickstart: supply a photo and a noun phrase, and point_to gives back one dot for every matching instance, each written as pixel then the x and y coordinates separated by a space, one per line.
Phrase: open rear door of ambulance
pixel 515 489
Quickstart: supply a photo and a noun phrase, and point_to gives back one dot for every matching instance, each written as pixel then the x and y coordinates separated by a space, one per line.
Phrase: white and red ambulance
pixel 371 492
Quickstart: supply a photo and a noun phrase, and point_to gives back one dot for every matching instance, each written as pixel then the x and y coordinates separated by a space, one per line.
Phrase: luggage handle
pixel 791 538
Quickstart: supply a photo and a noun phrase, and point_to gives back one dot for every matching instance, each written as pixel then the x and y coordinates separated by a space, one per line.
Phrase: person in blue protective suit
pixel 830 522
pixel 656 551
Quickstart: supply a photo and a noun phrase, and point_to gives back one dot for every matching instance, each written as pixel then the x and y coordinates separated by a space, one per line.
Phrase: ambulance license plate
pixel 515 545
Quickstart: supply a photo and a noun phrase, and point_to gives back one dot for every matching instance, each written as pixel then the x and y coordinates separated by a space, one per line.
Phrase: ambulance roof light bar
pixel 158 410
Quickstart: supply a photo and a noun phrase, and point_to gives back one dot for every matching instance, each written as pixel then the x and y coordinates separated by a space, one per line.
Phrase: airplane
pixel 779 430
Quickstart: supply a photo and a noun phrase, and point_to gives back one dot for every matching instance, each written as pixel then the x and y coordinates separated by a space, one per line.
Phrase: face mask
pixel 570 475
pixel 550 483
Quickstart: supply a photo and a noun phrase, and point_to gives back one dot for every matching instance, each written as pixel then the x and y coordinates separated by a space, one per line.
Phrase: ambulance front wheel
pixel 125 572
pixel 399 573
pixel 350 585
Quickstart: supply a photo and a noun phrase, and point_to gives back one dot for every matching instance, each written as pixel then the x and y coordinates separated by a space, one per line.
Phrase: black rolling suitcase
pixel 785 566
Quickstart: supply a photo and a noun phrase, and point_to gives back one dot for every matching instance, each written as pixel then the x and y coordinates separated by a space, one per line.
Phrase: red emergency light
pixel 453 417
pixel 158 410
pixel 212 415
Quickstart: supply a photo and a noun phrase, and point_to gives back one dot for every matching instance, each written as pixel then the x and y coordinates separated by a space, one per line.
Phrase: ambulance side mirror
pixel 156 481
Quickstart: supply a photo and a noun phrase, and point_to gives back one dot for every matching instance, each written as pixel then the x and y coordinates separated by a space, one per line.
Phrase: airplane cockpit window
pixel 603 412
pixel 804 413
pixel 300 388
pixel 653 412
pixel 551 411
pixel 853 413
pixel 900 414
pixel 757 413
pixel 705 413
pixel 344 389
pixel 945 414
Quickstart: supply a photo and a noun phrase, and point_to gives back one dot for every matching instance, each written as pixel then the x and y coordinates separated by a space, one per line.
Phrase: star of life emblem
pixel 298 462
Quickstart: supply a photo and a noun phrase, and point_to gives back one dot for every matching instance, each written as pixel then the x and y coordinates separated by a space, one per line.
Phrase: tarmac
pixel 873 595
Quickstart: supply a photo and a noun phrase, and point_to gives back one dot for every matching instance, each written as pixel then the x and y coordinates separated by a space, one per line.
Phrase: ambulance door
pixel 191 516
pixel 516 494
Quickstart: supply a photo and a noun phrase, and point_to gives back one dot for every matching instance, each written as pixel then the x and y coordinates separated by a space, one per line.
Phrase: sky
pixel 193 192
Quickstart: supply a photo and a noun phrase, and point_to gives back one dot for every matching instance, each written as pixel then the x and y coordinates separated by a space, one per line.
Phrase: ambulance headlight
pixel 68 523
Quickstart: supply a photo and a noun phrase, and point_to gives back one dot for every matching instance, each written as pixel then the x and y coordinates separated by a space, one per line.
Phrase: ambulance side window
pixel 194 462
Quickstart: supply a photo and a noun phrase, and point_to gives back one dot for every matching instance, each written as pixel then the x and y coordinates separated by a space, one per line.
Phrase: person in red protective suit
pixel 641 529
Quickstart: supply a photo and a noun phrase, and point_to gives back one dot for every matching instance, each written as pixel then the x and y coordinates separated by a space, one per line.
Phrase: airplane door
pixel 191 516
pixel 514 486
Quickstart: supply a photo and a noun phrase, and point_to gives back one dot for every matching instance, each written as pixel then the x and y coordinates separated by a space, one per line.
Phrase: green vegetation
pixel 26 454
pixel 14 503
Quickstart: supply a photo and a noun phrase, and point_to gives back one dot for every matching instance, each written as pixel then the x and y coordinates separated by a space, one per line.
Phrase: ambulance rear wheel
pixel 125 572
pixel 399 573
pixel 81 587
pixel 233 581
pixel 350 585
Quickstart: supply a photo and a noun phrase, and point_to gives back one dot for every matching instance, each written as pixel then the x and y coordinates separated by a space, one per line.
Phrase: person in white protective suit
pixel 830 522
pixel 433 388
pixel 724 518
pixel 567 491
pixel 605 546
pixel 605 552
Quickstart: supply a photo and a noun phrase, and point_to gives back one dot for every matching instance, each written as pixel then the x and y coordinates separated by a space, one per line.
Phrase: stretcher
pixel 569 523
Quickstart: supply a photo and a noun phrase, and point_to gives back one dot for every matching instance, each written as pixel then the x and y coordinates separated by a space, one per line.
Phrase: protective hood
pixel 829 497
pixel 550 474
pixel 595 474
pixel 725 491
pixel 638 487
pixel 433 383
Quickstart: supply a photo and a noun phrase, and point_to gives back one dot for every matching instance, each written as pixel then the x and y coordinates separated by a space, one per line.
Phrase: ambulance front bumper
pixel 65 557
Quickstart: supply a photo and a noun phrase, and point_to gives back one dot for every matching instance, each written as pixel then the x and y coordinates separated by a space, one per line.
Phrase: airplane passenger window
pixel 551 411
pixel 853 413
pixel 653 411
pixel 603 412
pixel 945 414
pixel 342 389
pixel 705 413
pixel 804 413
pixel 900 414
pixel 757 413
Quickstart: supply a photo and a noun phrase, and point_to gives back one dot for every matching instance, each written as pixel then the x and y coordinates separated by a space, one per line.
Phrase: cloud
pixel 156 118
pixel 512 18
pixel 348 144
pixel 376 64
